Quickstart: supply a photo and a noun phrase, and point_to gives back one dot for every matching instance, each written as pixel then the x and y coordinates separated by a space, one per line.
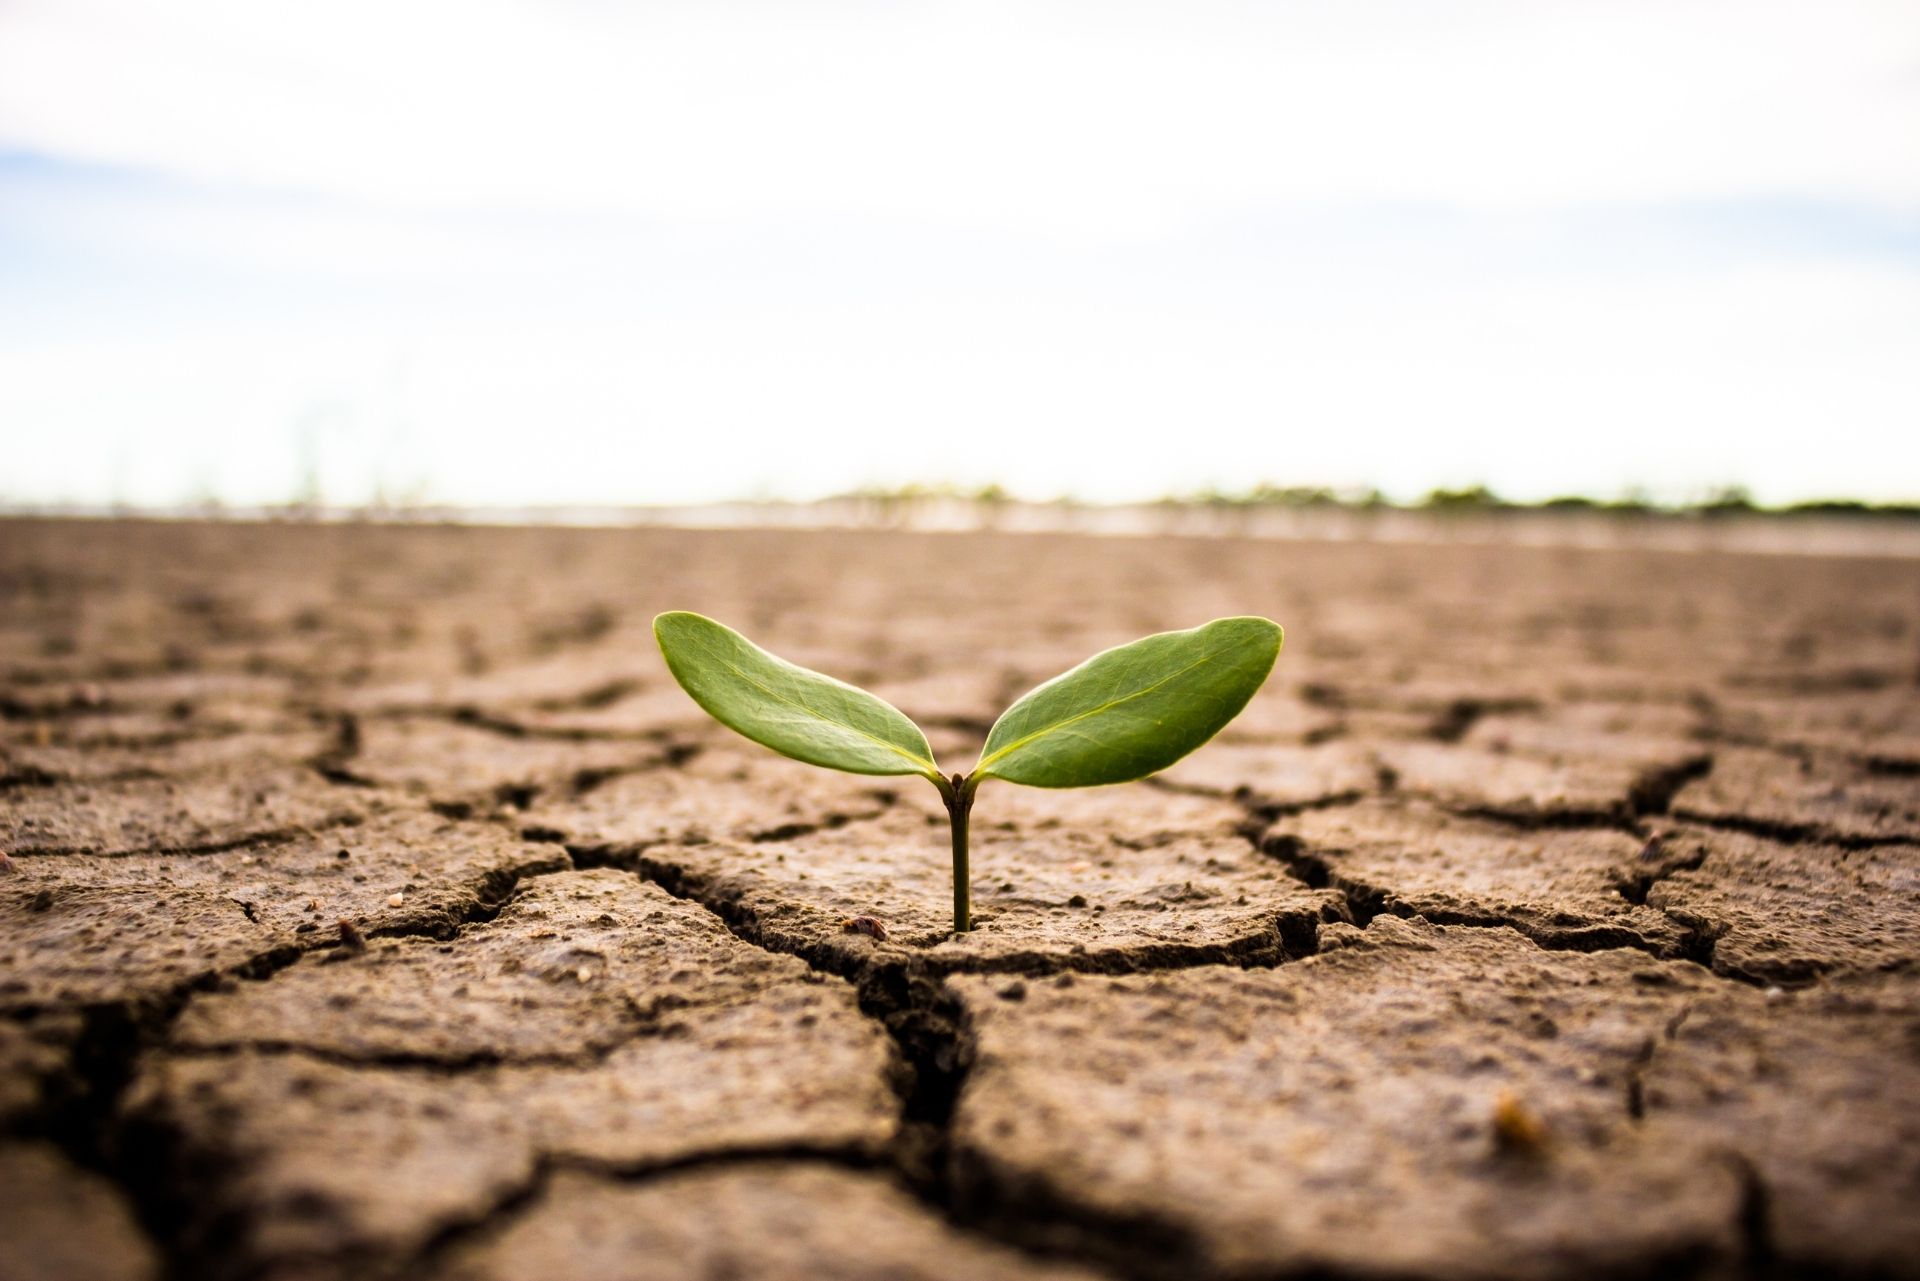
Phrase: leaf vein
pixel 823 718
pixel 1092 711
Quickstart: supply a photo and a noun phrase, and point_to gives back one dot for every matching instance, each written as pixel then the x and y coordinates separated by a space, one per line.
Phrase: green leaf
pixel 796 712
pixel 1130 711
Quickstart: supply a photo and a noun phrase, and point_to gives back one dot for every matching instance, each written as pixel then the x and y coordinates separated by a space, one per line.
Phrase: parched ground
pixel 374 906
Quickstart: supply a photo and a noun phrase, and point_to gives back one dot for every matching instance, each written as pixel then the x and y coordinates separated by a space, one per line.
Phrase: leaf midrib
pixel 824 719
pixel 1092 711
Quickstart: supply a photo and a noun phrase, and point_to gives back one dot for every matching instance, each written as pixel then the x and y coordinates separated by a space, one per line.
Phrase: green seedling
pixel 1120 716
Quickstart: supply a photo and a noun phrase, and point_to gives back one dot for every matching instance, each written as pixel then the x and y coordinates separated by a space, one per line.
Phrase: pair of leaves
pixel 1119 716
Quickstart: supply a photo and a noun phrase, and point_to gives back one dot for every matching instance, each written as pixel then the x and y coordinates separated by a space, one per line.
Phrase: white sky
pixel 588 252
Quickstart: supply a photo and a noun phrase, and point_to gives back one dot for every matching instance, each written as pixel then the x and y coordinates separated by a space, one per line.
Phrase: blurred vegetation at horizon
pixel 1731 500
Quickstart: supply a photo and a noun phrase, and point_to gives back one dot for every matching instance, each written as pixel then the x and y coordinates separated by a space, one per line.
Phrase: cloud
pixel 680 251
pixel 1105 119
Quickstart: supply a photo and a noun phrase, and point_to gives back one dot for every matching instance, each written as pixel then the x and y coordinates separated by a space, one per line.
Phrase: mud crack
pixel 268 837
pixel 1790 833
pixel 1653 791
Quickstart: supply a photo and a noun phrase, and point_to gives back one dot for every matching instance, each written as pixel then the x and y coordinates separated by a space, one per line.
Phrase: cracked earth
pixel 374 906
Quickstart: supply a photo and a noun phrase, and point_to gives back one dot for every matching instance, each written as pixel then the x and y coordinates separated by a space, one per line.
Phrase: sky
pixel 578 252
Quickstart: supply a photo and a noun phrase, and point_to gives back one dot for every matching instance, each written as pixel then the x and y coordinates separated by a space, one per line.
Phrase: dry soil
pixel 374 906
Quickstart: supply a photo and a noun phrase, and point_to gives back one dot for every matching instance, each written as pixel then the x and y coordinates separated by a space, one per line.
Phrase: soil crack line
pixel 500 1214
pixel 910 999
pixel 1366 901
pixel 269 837
pixel 1790 833
pixel 1653 791
pixel 88 1122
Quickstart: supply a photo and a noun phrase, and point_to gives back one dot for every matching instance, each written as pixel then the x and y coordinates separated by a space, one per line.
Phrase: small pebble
pixel 6 865
pixel 344 853
pixel 584 974
pixel 352 941
pixel 1516 1128
pixel 868 925
pixel 1014 991
pixel 396 900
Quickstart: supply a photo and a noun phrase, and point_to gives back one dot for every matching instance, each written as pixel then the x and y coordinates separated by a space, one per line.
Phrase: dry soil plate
pixel 374 906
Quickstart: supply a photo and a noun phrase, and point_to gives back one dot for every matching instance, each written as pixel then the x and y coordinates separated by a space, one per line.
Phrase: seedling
pixel 1120 716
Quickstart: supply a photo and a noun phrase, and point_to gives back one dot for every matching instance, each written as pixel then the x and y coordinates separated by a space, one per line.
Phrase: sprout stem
pixel 959 798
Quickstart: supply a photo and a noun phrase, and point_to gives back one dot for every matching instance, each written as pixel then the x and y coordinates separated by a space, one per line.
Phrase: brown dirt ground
pixel 374 906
